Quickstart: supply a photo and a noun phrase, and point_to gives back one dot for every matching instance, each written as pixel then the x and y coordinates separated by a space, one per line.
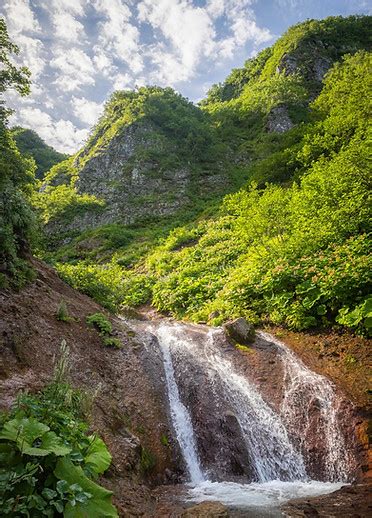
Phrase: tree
pixel 17 221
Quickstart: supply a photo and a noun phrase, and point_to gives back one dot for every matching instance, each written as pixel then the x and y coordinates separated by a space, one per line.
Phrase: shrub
pixel 48 461
pixel 62 312
pixel 100 322
pixel 110 341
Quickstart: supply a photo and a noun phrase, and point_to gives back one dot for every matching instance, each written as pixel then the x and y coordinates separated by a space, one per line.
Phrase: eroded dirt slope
pixel 127 411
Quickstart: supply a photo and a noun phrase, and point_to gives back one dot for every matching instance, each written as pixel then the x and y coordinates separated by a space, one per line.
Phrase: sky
pixel 80 51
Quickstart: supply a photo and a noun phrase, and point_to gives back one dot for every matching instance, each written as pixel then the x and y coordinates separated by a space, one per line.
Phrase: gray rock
pixel 278 120
pixel 240 331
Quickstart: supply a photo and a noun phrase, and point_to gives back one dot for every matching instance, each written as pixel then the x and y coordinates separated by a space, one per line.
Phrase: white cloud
pixel 118 35
pixel 75 7
pixel 87 111
pixel 61 134
pixel 32 54
pixel 20 17
pixel 103 62
pixel 191 37
pixel 122 81
pixel 76 69
pixel 67 28
pixel 188 29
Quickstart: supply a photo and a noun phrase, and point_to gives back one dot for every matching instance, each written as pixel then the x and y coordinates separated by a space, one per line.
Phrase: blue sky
pixel 80 51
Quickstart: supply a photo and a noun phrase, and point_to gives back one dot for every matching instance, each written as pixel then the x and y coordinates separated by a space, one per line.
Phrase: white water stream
pixel 278 464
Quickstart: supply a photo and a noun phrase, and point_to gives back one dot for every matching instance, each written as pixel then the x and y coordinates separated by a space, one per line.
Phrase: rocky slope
pixel 127 411
pixel 153 153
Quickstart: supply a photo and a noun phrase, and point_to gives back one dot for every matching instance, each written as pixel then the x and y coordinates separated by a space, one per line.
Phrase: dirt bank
pixel 127 411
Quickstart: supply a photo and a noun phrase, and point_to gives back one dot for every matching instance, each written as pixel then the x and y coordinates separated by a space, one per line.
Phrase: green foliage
pixel 108 284
pixel 47 460
pixel 148 461
pixel 164 440
pixel 62 312
pixel 293 253
pixel 178 128
pixel 104 326
pixel 17 222
pixel 358 318
pixel 63 203
pixel 296 256
pixel 100 322
pixel 111 341
pixel 30 144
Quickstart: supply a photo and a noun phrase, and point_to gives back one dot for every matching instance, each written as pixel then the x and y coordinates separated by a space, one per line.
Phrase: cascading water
pixel 180 416
pixel 278 464
pixel 304 388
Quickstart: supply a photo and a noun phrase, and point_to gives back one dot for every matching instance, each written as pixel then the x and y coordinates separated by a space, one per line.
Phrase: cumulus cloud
pixel 67 27
pixel 117 34
pixel 61 134
pixel 20 17
pixel 191 37
pixel 76 69
pixel 87 111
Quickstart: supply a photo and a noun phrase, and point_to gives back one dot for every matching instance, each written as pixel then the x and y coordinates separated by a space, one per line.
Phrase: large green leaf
pixel 28 429
pixel 98 458
pixel 98 506
pixel 50 443
pixel 33 437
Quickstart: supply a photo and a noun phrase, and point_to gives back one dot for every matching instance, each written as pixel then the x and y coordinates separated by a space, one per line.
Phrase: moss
pixel 244 348
pixel 148 461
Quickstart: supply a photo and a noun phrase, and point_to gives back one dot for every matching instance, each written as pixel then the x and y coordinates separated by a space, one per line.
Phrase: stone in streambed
pixel 206 510
pixel 240 331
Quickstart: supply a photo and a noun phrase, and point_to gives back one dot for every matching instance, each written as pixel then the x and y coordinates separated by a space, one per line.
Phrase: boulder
pixel 240 331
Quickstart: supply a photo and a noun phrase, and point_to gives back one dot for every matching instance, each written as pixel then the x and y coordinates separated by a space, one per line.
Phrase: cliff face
pixel 150 155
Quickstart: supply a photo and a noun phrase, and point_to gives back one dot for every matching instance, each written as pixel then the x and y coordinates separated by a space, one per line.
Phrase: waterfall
pixel 304 388
pixel 268 434
pixel 180 416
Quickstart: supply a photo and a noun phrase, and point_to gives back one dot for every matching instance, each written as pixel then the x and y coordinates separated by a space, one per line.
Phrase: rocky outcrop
pixel 352 502
pixel 206 510
pixel 278 120
pixel 240 331
pixel 313 69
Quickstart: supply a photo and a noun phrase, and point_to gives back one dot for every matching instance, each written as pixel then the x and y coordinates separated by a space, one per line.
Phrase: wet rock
pixel 349 501
pixel 240 331
pixel 206 510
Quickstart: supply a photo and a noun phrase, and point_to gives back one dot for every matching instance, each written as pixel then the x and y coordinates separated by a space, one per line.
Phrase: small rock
pixel 206 510
pixel 240 331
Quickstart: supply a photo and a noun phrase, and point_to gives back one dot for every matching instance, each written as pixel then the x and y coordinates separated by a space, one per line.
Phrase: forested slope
pixel 293 251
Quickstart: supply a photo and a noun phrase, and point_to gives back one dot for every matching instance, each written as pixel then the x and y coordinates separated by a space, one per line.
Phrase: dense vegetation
pixel 294 255
pixel 17 221
pixel 30 144
pixel 291 247
pixel 49 463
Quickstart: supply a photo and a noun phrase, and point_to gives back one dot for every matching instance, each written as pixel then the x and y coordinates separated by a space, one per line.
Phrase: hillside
pixel 198 343
pixel 287 254
pixel 30 144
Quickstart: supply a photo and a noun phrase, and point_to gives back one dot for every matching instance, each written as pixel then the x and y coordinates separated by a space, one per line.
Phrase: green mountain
pixel 253 203
pixel 30 144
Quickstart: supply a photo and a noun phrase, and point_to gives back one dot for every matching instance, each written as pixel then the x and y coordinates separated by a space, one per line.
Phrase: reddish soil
pixel 127 411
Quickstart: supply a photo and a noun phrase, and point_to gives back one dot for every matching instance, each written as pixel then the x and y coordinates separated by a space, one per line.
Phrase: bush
pixel 100 322
pixel 110 341
pixel 62 312
pixel 48 461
